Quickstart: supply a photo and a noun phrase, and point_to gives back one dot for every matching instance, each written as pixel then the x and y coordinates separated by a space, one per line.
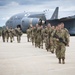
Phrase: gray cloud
pixel 24 2
pixel 4 2
pixel 21 2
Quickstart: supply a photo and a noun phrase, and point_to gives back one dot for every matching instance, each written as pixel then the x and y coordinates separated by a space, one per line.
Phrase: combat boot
pixel 59 60
pixel 32 43
pixel 11 40
pixel 63 60
pixel 3 40
pixel 28 40
pixel 52 49
pixel 39 46
pixel 7 40
pixel 47 49
pixel 42 47
pixel 35 44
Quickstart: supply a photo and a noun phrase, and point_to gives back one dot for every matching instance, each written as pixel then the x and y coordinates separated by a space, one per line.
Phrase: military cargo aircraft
pixel 25 19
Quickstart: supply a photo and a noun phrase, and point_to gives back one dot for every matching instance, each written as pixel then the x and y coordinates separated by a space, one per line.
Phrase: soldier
pixel 3 35
pixel 32 34
pixel 11 34
pixel 60 36
pixel 28 34
pixel 7 33
pixel 52 41
pixel 39 36
pixel 18 34
pixel 35 35
pixel 42 36
pixel 45 34
pixel 48 31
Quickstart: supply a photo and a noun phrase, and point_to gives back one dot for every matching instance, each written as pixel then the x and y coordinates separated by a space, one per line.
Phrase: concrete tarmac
pixel 24 59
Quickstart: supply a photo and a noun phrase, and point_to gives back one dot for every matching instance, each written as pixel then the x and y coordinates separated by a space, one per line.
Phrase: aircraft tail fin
pixel 55 14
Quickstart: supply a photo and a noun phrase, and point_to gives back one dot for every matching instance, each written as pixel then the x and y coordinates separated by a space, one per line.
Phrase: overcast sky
pixel 11 7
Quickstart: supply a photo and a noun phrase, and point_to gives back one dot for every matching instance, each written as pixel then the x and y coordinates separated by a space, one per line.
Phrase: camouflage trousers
pixel 48 45
pixel 39 41
pixel 60 50
pixel 11 37
pixel 28 38
pixel 52 45
pixel 35 38
pixel 7 37
pixel 3 37
pixel 32 39
pixel 18 38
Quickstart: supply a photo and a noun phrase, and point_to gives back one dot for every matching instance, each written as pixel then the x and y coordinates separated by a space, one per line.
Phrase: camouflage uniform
pixel 32 35
pixel 45 34
pixel 11 34
pixel 35 35
pixel 42 37
pixel 66 32
pixel 60 46
pixel 3 35
pixel 45 38
pixel 48 37
pixel 18 34
pixel 28 34
pixel 39 36
pixel 67 36
pixel 52 40
pixel 7 34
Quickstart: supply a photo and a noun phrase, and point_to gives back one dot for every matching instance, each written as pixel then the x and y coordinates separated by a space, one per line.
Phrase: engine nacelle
pixel 26 22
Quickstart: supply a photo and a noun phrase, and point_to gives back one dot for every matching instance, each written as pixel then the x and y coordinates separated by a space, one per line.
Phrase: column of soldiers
pixel 9 33
pixel 55 38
